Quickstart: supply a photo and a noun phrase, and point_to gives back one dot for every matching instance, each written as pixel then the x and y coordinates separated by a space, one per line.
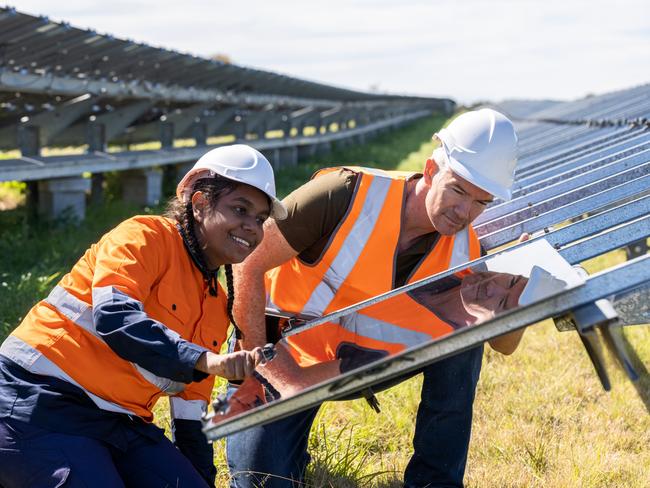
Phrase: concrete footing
pixel 63 196
pixel 142 187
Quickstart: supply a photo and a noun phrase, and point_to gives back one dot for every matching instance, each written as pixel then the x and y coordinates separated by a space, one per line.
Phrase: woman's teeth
pixel 240 241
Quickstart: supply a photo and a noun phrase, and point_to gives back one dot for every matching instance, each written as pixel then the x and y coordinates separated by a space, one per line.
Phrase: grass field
pixel 541 418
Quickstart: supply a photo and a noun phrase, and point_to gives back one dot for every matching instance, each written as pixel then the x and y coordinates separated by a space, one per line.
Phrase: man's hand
pixel 232 366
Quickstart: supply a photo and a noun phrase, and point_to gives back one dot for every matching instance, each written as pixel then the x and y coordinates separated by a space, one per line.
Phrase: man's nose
pixel 495 289
pixel 463 210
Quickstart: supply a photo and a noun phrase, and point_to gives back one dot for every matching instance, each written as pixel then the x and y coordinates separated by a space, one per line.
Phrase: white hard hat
pixel 481 147
pixel 541 285
pixel 238 162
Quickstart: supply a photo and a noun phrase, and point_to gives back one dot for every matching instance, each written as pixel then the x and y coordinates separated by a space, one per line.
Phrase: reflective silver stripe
pixel 460 252
pixel 81 314
pixel 170 387
pixel 365 326
pixel 351 249
pixel 186 409
pixel 373 171
pixel 35 362
pixel 72 308
pixel 103 294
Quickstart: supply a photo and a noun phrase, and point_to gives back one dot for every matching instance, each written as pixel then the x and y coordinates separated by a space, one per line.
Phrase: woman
pixel 140 315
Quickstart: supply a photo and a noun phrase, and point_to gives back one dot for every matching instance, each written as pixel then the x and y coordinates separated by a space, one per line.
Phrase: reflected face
pixel 453 203
pixel 487 293
pixel 231 229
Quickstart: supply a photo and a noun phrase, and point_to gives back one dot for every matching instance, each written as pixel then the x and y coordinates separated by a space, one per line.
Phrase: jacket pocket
pixel 172 309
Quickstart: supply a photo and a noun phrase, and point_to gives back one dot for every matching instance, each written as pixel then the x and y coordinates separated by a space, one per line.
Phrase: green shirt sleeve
pixel 315 209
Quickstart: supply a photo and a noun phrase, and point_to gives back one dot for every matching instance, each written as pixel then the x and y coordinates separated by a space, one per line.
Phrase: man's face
pixel 487 293
pixel 452 202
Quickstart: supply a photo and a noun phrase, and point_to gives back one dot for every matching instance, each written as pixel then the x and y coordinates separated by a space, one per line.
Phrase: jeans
pixel 275 455
pixel 38 458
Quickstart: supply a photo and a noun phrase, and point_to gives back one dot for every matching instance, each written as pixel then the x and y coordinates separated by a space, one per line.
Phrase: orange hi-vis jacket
pixel 357 264
pixel 128 323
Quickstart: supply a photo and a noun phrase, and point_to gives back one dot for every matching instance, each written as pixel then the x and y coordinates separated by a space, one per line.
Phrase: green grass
pixel 405 149
pixel 541 417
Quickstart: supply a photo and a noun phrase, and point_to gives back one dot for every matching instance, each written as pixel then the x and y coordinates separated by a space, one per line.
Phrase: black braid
pixel 231 299
pixel 188 227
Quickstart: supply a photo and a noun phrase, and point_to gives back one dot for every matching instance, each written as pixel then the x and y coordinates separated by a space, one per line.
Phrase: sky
pixel 468 50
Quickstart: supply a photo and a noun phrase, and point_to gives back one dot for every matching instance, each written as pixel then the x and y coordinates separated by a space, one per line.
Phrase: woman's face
pixel 487 293
pixel 230 230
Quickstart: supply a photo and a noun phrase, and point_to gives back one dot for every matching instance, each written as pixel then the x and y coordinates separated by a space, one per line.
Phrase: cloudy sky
pixel 465 49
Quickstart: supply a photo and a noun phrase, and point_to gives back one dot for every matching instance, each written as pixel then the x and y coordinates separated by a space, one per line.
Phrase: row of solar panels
pixel 37 45
pixel 60 78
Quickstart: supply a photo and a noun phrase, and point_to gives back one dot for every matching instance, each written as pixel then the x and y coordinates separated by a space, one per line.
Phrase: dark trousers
pixel 273 455
pixel 37 458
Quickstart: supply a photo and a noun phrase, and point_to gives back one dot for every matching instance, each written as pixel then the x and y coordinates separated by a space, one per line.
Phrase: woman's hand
pixel 232 366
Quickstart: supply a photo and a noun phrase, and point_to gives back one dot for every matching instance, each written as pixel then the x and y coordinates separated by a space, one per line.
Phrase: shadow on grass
pixel 642 385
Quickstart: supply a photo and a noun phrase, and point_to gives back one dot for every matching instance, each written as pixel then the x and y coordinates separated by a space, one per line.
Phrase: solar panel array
pixel 60 78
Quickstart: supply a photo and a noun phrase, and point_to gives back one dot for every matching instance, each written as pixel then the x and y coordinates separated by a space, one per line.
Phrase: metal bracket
pixel 588 320
pixel 219 405
pixel 292 323
pixel 632 306
pixel 269 352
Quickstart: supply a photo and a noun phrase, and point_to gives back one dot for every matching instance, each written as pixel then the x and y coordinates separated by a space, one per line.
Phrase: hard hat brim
pixel 278 209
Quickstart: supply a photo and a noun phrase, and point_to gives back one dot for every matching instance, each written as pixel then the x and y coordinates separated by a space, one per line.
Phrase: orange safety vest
pixel 145 259
pixel 357 264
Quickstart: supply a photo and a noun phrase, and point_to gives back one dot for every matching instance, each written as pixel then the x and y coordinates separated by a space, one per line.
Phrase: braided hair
pixel 183 213
pixel 231 297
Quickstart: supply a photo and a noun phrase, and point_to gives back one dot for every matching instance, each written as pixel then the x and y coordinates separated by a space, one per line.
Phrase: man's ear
pixel 430 169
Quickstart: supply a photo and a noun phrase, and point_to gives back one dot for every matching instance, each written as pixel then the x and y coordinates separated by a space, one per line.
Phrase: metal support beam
pixel 52 123
pixel 167 132
pixel 29 145
pixel 96 140
pixel 215 122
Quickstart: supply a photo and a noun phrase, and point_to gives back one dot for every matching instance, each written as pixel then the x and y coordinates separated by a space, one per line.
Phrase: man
pixel 355 233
